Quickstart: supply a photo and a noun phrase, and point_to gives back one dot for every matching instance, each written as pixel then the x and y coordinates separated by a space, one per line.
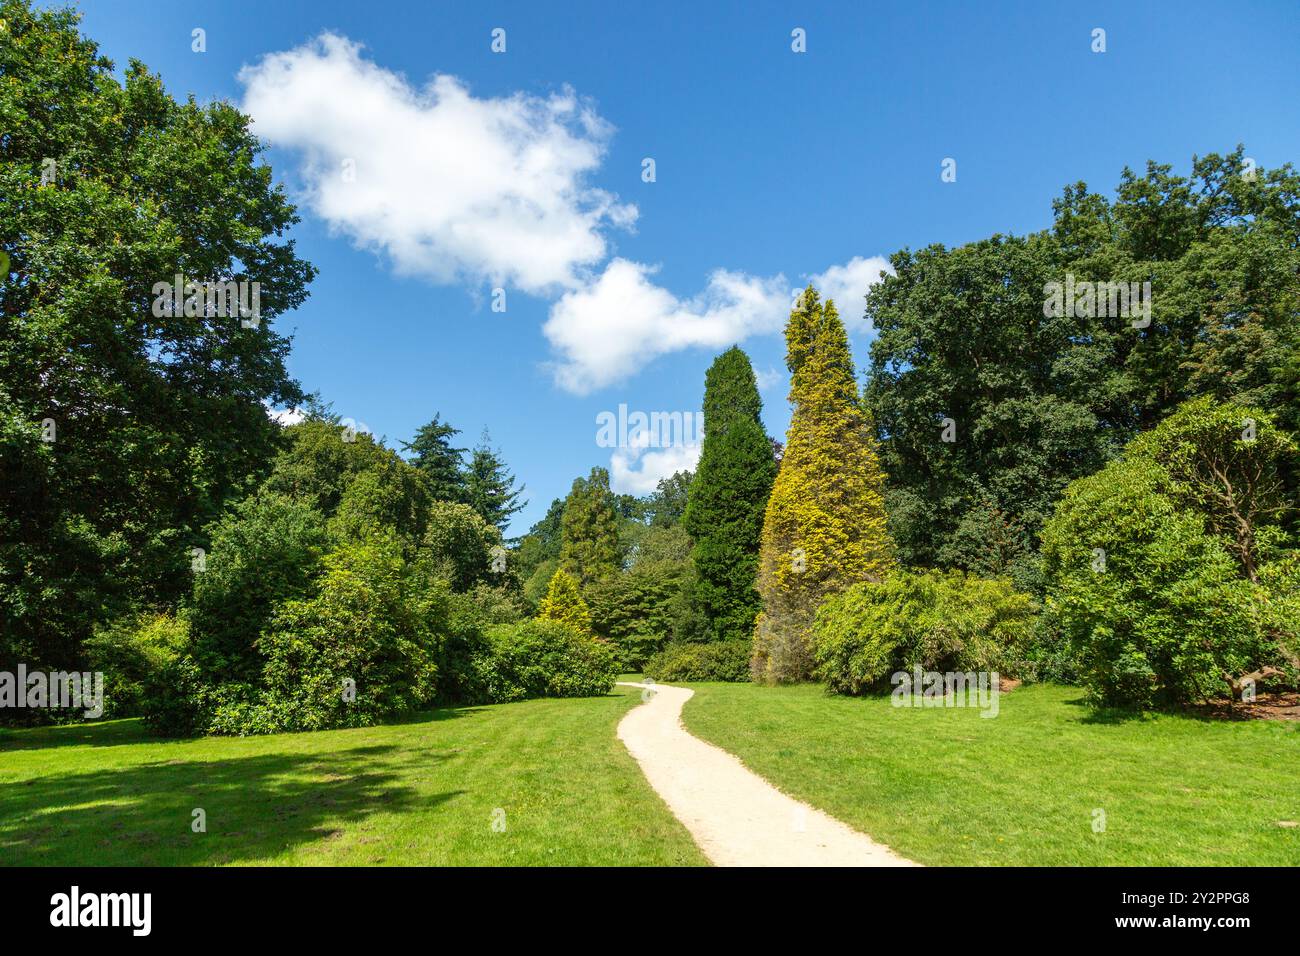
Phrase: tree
pixel 591 548
pixel 124 432
pixel 824 527
pixel 265 550
pixel 490 487
pixel 352 480
pixel 1165 569
pixel 1040 396
pixel 462 545
pixel 666 505
pixel 432 452
pixel 564 603
pixel 728 497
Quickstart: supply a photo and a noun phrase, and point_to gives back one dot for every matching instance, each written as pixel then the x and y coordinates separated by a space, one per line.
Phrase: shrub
pixel 542 658
pixel 1166 568
pixel 942 621
pixel 178 701
pixel 716 661
pixel 564 603
pixel 265 550
pixel 131 653
pixel 469 616
pixel 461 543
pixel 1280 613
pixel 370 626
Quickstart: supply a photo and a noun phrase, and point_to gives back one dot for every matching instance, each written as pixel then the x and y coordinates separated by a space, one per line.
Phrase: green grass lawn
pixel 944 786
pixel 415 793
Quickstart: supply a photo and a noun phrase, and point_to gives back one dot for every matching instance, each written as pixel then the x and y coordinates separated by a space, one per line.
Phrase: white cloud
pixel 768 378
pixel 628 479
pixel 287 416
pixel 450 186
pixel 619 323
pixel 847 284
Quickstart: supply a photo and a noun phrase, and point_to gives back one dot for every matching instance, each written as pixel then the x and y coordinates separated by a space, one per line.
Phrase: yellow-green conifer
pixel 564 603
pixel 824 527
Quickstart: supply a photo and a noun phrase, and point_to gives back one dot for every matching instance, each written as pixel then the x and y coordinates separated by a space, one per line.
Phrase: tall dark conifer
pixel 724 513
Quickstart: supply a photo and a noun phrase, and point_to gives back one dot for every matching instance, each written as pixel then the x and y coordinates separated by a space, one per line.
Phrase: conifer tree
pixel 433 454
pixel 824 528
pixel 564 603
pixel 591 548
pixel 724 513
pixel 490 487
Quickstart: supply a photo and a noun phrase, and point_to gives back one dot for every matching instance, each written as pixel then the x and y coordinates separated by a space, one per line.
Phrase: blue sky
pixel 770 167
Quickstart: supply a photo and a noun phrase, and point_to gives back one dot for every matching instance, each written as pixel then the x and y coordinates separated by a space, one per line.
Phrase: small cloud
pixel 628 479
pixel 615 326
pixel 286 417
pixel 768 378
pixel 848 284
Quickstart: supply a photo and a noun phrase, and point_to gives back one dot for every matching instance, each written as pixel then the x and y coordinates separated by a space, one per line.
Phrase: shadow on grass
pixel 132 730
pixel 106 733
pixel 256 807
pixel 1113 716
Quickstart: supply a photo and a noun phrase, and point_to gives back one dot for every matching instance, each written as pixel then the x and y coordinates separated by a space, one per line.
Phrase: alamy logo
pixel 103 909
pixel 211 299
pixel 1090 300
pixel 655 430
pixel 59 689
pixel 947 689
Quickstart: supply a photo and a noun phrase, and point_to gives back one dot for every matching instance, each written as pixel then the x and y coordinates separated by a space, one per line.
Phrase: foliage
pixel 1153 564
pixel 490 487
pixel 158 420
pixel 651 602
pixel 543 658
pixel 540 546
pixel 728 496
pixel 267 549
pixel 693 661
pixel 1039 400
pixel 939 621
pixel 591 548
pixel 353 480
pixel 666 505
pixel 372 627
pixel 824 528
pixel 132 653
pixel 462 545
pixel 564 603
pixel 441 463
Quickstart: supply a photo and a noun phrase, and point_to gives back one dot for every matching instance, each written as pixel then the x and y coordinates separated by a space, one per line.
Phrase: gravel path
pixel 736 817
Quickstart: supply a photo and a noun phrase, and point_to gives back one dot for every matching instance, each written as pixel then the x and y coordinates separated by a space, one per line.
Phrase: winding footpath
pixel 736 817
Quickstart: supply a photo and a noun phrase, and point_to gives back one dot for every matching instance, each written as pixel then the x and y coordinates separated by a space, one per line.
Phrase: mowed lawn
pixel 946 787
pixel 550 774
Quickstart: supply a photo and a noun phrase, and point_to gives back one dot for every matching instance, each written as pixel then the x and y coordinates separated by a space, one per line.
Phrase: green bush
pixel 265 550
pixel 461 544
pixel 941 621
pixel 132 653
pixel 372 626
pixel 469 617
pixel 715 660
pixel 541 658
pixel 1167 569
pixel 178 701
pixel 633 649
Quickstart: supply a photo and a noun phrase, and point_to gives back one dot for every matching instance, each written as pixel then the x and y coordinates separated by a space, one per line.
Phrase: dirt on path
pixel 736 817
